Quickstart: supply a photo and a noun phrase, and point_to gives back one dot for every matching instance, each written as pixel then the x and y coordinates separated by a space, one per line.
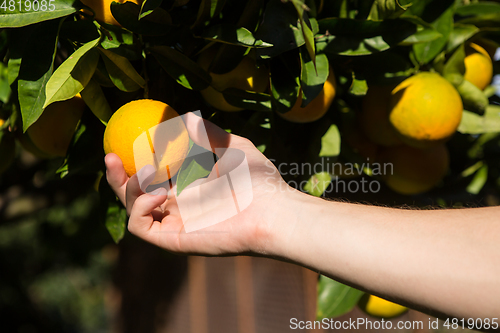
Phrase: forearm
pixel 445 260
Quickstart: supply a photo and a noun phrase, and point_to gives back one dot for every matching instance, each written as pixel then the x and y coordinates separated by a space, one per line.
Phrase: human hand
pixel 156 218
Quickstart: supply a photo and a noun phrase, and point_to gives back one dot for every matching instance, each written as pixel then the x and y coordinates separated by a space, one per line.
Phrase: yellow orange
pixel 425 109
pixel 132 133
pixel 414 170
pixel 478 66
pixel 317 108
pixel 380 308
pixel 246 76
pixel 102 9
pixel 51 134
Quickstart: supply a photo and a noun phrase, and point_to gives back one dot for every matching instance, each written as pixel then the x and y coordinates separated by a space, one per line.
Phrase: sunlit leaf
pixel 335 298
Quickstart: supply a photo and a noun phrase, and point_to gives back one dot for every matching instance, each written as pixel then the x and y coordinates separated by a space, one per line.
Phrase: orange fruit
pixel 478 66
pixel 148 132
pixel 412 170
pixel 380 308
pixel 425 109
pixel 246 76
pixel 317 108
pixel 374 118
pixel 102 9
pixel 51 134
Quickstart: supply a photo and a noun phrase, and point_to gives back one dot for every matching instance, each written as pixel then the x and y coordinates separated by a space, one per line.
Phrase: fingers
pixel 116 176
pixel 205 134
pixel 141 218
pixel 137 185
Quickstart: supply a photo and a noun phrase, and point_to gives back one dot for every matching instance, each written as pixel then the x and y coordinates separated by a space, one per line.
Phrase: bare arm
pixel 439 260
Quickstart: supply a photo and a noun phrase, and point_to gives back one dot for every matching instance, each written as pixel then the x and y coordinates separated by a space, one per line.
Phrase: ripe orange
pixel 163 147
pixel 374 118
pixel 102 9
pixel 478 66
pixel 317 108
pixel 414 170
pixel 51 134
pixel 425 109
pixel 246 76
pixel 380 308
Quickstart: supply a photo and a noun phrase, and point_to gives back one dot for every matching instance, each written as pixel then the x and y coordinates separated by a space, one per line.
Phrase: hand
pixel 156 217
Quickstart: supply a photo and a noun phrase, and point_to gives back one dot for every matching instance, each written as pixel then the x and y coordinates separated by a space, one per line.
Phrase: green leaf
pixel 358 87
pixel 424 35
pixel 230 34
pixel 425 52
pixel 184 70
pixel 280 28
pixel 249 100
pixel 116 219
pixel 306 28
pixel 473 98
pixel 460 34
pixel 36 69
pixel 96 100
pixel 156 23
pixel 318 183
pixel 354 38
pixel 454 69
pixel 335 298
pixel 312 77
pixel 330 142
pixel 5 90
pixel 148 6
pixel 17 18
pixel 473 123
pixel 73 74
pixel 479 8
pixel 208 9
pixel 191 169
pixel 479 180
pixel 121 71
pixel 285 82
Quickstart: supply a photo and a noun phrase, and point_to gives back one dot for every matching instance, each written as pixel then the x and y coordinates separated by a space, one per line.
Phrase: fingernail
pixel 159 191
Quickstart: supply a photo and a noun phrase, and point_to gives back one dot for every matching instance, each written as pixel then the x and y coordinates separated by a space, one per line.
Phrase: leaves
pixel 355 38
pixel 156 23
pixel 318 183
pixel 148 6
pixel 73 74
pixel 229 34
pixel 279 28
pixel 475 124
pixel 312 77
pixel 306 28
pixel 473 98
pixel 95 99
pixel 28 15
pixel 184 70
pixel 330 142
pixel 116 218
pixel 121 71
pixel 454 69
pixel 248 99
pixel 193 167
pixel 335 298
pixel 285 82
pixel 424 53
pixel 36 69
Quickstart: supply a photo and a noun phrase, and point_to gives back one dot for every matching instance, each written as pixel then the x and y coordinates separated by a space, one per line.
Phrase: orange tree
pixel 291 75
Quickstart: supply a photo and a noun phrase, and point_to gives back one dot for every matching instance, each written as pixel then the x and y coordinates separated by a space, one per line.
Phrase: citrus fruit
pixel 478 66
pixel 412 170
pixel 380 308
pixel 148 132
pixel 425 109
pixel 374 118
pixel 102 9
pixel 246 76
pixel 52 132
pixel 317 107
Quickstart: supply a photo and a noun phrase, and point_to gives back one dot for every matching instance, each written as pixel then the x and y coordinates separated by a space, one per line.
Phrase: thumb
pixel 141 218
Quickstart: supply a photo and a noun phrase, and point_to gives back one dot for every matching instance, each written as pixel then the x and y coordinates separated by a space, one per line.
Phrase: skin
pixel 442 262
